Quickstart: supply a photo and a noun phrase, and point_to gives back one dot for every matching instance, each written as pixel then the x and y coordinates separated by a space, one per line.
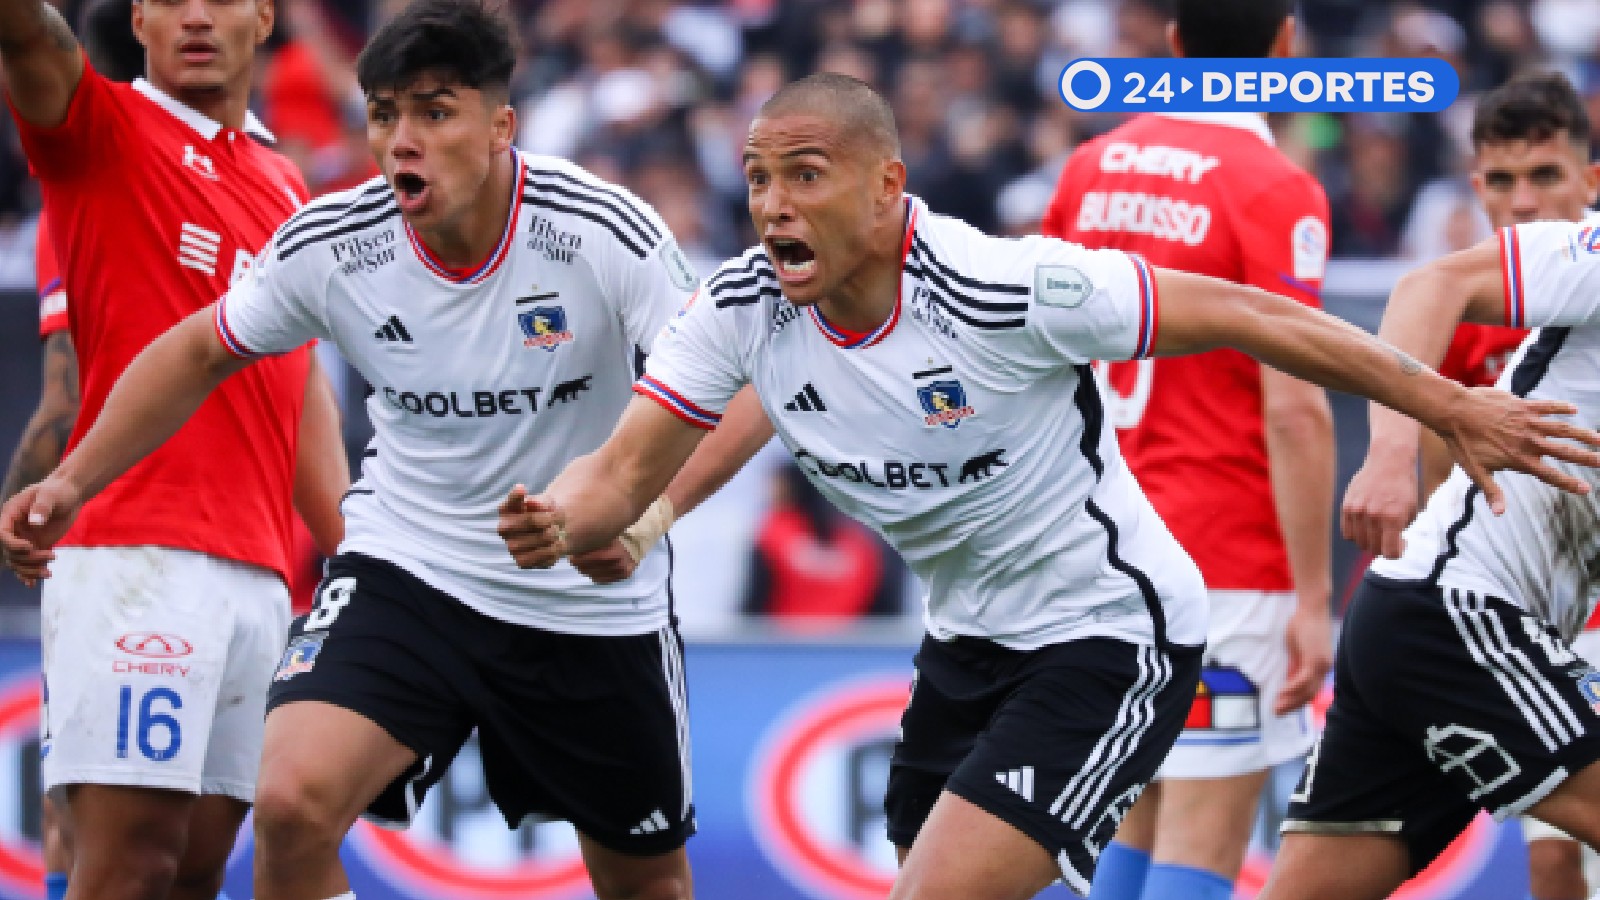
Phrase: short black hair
pixel 1531 107
pixel 854 104
pixel 107 30
pixel 1229 29
pixel 461 42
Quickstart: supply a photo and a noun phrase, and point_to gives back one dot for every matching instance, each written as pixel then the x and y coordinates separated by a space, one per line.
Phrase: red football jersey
pixel 1479 353
pixel 1211 195
pixel 52 292
pixel 156 210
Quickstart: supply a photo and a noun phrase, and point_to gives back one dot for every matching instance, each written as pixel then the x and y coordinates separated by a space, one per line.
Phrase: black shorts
pixel 1444 702
pixel 1058 741
pixel 593 730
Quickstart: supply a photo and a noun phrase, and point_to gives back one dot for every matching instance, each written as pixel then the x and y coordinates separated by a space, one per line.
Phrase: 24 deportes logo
pixel 1259 85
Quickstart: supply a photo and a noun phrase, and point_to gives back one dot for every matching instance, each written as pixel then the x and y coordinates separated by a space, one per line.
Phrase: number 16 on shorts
pixel 148 724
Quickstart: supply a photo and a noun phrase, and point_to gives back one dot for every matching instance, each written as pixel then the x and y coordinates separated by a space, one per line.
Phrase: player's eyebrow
pixel 792 154
pixel 435 94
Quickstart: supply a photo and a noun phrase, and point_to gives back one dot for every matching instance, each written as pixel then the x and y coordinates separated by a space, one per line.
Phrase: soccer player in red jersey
pixel 168 608
pixel 1531 141
pixel 1237 458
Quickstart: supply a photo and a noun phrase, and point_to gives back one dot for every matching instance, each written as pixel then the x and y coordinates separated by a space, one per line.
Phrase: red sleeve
pixel 83 141
pixel 1057 217
pixel 1283 238
pixel 52 292
pixel 1457 364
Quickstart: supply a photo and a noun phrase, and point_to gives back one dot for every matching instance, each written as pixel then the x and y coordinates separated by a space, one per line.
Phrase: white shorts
pixel 1231 728
pixel 1586 645
pixel 156 666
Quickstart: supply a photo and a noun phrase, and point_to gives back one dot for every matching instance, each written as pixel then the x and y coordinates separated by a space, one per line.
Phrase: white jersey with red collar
pixel 1543 554
pixel 967 429
pixel 481 379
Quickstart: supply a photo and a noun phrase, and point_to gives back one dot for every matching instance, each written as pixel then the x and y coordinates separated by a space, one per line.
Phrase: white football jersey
pixel 1544 553
pixel 480 379
pixel 967 429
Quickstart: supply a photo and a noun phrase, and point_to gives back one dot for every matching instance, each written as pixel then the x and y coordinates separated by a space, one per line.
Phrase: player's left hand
pixel 533 528
pixel 1492 430
pixel 607 565
pixel 1310 642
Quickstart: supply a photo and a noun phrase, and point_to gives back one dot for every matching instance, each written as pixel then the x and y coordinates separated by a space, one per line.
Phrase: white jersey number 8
pixel 335 596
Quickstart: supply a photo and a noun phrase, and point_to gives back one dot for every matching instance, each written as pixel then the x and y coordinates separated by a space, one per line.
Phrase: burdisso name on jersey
pixel 967 429
pixel 480 379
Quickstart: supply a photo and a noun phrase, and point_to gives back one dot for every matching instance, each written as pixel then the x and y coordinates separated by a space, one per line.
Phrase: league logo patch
pixel 1589 239
pixel 1224 701
pixel 300 656
pixel 945 403
pixel 544 327
pixel 1589 687
pixel 1063 286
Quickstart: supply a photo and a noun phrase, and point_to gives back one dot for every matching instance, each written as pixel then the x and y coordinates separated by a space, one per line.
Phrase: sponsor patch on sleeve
pixel 678 267
pixel 1063 286
pixel 1310 240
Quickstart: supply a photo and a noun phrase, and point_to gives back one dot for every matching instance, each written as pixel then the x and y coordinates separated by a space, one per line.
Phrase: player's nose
pixel 197 14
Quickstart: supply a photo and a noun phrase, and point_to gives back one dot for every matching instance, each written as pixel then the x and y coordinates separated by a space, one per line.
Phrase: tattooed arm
pixel 44 441
pixel 1486 430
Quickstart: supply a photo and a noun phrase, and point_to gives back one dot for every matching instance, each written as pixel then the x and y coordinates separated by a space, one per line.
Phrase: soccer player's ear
pixel 1174 42
pixel 1591 182
pixel 894 181
pixel 266 17
pixel 503 124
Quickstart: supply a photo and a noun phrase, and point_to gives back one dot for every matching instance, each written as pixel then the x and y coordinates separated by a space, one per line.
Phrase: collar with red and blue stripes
pixel 491 263
pixel 857 341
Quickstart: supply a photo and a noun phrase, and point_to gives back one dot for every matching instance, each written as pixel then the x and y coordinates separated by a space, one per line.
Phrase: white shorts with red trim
pixel 156 667
pixel 1231 728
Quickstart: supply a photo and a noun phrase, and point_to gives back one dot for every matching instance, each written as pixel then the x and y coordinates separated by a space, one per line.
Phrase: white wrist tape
pixel 643 534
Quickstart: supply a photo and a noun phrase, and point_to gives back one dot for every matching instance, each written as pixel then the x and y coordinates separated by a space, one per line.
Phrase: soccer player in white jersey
pixel 959 418
pixel 498 303
pixel 1455 688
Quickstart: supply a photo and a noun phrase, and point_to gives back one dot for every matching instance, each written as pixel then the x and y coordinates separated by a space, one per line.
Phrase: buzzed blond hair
pixel 862 113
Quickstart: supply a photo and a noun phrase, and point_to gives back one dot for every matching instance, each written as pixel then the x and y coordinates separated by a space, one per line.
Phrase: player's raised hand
pixel 533 528
pixel 32 522
pixel 609 564
pixel 1495 430
pixel 1380 501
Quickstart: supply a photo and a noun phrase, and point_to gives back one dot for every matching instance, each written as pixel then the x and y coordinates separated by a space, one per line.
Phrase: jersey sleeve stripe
pixel 638 219
pixel 317 216
pixel 647 234
pixel 226 335
pixel 592 216
pixel 675 403
pixel 972 283
pixel 1511 276
pixel 50 287
pixel 756 263
pixel 1148 307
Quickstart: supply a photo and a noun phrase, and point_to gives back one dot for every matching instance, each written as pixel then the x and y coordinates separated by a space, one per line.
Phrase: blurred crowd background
pixel 657 95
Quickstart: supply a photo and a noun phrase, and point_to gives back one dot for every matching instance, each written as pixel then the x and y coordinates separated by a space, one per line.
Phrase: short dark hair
pixel 107 30
pixel 851 102
pixel 462 42
pixel 1531 107
pixel 1229 29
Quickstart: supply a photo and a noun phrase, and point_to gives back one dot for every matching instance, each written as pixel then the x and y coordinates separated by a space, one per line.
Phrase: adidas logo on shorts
pixel 653 823
pixel 1019 781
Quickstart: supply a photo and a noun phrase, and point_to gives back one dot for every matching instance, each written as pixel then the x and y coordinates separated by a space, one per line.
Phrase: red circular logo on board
pixel 798 791
pixel 21 860
pixel 156 646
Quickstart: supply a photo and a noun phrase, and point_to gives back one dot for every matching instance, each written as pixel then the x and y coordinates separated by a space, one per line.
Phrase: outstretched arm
pixel 158 392
pixel 1486 430
pixel 597 496
pixel 43 62
pixel 743 431
pixel 1426 306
